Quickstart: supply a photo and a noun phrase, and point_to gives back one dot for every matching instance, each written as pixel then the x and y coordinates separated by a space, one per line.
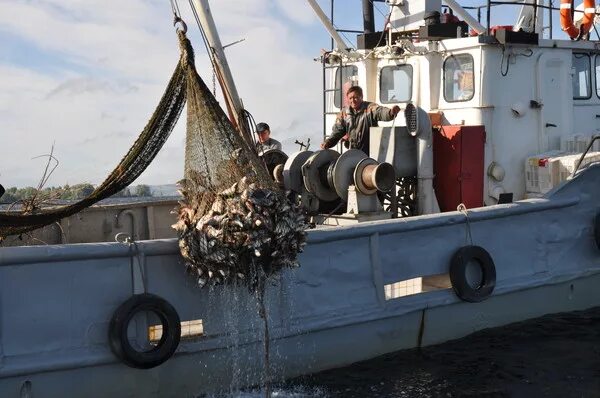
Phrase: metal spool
pixel 380 177
pixel 292 171
pixel 272 158
pixel 314 172
pixel 278 174
pixel 371 176
pixel 343 171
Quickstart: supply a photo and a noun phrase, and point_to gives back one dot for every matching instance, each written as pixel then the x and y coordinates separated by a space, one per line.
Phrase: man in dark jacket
pixel 356 119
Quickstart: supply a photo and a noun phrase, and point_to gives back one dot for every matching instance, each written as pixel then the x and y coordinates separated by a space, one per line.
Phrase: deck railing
pixel 536 8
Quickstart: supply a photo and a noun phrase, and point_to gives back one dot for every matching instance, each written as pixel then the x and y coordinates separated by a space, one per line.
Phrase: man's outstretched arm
pixel 382 113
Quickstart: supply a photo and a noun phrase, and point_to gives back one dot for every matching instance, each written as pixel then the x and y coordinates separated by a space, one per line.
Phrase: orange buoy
pixel 566 18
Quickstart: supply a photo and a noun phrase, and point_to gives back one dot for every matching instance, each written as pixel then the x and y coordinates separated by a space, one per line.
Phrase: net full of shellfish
pixel 248 233
pixel 234 223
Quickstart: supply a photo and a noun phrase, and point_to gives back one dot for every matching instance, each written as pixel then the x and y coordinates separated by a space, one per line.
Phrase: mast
pixel 342 47
pixel 368 16
pixel 232 99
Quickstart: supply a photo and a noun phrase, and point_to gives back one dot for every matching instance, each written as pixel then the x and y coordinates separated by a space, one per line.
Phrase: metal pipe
pixel 328 26
pixel 489 12
pixel 461 12
pixel 550 17
pixel 218 55
pixel 332 4
pixel 535 15
pixel 129 213
pixel 419 125
pixel 368 16
pixel 325 95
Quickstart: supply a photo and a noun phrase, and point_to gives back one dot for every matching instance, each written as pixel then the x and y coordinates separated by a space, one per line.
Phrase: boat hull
pixel 57 301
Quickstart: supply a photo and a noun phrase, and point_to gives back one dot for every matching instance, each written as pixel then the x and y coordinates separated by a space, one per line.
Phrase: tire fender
pixel 166 346
pixel 458 273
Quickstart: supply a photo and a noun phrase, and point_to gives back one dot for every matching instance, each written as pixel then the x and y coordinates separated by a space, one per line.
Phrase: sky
pixel 84 76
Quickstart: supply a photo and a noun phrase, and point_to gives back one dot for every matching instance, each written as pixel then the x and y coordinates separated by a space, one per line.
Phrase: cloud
pixel 115 61
pixel 85 85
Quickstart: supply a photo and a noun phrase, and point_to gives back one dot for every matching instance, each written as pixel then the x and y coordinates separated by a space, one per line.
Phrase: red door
pixel 458 162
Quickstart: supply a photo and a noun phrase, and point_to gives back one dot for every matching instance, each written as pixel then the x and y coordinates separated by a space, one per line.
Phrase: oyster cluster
pixel 247 233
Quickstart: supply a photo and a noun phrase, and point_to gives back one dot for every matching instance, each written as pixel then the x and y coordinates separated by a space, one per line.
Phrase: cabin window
pixel 597 67
pixel 459 80
pixel 395 84
pixel 581 76
pixel 345 77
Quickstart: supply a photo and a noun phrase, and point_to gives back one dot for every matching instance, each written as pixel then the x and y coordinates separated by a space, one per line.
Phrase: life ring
pixel 597 230
pixel 166 346
pixel 566 18
pixel 458 274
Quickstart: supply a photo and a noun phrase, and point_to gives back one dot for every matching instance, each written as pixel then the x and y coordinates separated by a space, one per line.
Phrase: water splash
pixel 291 392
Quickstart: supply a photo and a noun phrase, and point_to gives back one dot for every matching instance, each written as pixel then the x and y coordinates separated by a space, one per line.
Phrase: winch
pixel 352 186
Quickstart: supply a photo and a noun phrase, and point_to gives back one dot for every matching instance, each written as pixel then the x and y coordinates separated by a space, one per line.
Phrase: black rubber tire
pixel 117 337
pixel 458 275
pixel 597 230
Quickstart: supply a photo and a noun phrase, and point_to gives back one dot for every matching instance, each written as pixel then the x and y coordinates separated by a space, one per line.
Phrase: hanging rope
pixel 463 209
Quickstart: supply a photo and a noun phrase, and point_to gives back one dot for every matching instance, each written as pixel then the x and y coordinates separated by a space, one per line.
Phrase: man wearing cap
pixel 356 120
pixel 265 142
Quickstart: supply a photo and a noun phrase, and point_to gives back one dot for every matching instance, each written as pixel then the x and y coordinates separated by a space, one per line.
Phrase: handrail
pixel 493 3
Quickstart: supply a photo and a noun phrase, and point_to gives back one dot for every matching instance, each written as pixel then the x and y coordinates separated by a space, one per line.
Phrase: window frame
pixel 397 66
pixel 596 65
pixel 589 79
pixel 444 77
pixel 338 101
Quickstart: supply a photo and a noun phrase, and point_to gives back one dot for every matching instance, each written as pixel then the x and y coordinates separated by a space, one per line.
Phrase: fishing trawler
pixel 491 199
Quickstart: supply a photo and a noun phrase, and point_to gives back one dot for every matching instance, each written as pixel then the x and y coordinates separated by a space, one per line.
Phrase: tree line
pixel 68 192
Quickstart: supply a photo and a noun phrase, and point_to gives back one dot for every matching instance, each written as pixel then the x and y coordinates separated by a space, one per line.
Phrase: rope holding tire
pixel 166 346
pixel 458 273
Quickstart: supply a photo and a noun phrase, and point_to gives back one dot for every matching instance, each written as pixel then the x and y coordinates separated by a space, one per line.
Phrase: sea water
pixel 552 356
